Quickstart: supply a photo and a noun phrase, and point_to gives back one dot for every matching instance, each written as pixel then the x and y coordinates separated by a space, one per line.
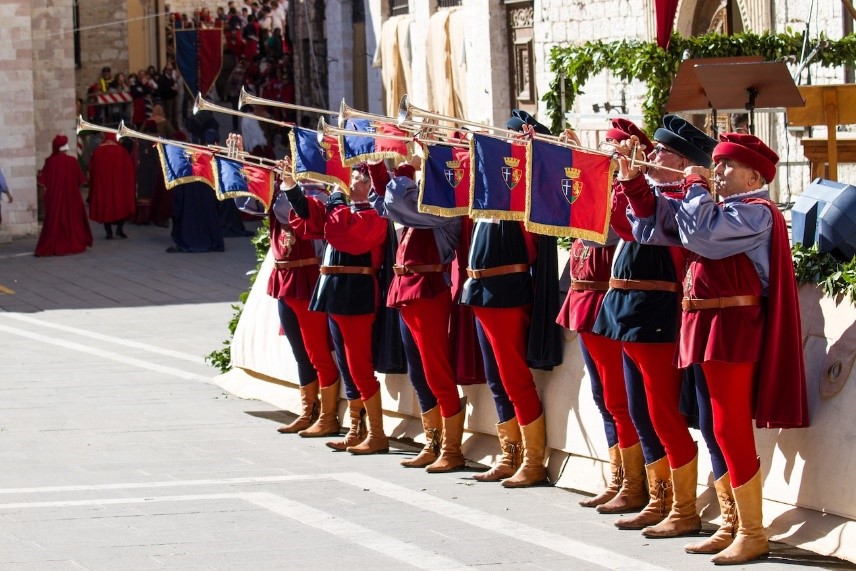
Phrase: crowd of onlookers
pixel 256 57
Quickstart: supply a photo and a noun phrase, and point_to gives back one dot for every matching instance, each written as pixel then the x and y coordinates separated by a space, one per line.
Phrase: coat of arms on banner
pixel 510 173
pixel 571 186
pixel 454 173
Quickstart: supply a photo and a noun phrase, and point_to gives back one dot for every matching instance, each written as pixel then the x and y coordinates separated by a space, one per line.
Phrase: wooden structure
pixel 829 105
pixel 816 150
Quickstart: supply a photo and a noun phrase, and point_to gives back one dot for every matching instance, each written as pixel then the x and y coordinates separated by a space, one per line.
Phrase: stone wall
pixel 37 74
pixel 103 41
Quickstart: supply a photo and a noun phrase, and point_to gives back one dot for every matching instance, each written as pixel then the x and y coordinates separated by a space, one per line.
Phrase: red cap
pixel 622 129
pixel 405 169
pixel 749 150
pixel 59 142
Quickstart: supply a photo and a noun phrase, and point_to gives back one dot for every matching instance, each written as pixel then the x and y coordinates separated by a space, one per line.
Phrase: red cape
pixel 781 399
pixel 66 226
pixel 111 184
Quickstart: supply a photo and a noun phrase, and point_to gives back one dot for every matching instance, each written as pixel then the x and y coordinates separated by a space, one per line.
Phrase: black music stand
pixel 749 86
pixel 687 93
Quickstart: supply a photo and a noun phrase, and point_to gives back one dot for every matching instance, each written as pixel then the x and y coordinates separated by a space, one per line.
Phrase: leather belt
pixel 588 285
pixel 689 304
pixel 329 270
pixel 497 271
pixel 644 285
pixel 407 270
pixel 289 264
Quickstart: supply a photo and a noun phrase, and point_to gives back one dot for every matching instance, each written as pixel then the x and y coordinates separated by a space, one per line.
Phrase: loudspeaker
pixel 825 213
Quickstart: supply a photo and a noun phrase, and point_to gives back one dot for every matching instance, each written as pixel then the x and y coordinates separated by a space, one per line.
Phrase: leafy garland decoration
pixel 646 61
pixel 222 358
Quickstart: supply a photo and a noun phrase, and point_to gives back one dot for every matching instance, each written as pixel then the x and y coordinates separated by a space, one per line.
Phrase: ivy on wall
pixel 646 61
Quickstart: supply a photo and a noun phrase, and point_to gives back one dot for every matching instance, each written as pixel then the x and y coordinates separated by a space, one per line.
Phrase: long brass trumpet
pixel 346 112
pixel 324 130
pixel 247 98
pixel 200 104
pixel 407 111
pixel 125 131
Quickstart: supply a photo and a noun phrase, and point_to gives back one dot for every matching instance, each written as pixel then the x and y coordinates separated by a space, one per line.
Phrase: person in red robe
pixel 66 227
pixel 111 186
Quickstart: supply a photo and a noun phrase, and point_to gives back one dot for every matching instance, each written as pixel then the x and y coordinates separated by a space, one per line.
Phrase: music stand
pixel 687 93
pixel 749 86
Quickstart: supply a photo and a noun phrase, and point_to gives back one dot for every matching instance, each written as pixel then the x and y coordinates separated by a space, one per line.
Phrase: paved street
pixel 119 453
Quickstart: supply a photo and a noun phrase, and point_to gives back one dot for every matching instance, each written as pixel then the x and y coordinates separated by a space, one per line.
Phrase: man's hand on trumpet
pixel 624 151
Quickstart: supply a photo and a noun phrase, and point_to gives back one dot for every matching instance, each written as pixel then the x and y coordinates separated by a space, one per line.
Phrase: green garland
pixel 222 358
pixel 646 61
pixel 833 277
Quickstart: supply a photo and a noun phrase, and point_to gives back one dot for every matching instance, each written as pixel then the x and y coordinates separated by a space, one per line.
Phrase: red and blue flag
pixel 185 164
pixel 445 186
pixel 358 148
pixel 569 192
pixel 318 160
pixel 233 179
pixel 199 57
pixel 499 178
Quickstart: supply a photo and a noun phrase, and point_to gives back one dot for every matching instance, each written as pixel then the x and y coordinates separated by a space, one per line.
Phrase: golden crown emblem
pixel 572 172
pixel 326 145
pixel 453 164
pixel 511 161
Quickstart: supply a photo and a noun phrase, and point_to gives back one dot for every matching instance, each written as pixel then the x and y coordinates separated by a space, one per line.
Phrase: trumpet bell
pixel 243 98
pixel 322 130
pixel 198 103
pixel 404 113
pixel 83 125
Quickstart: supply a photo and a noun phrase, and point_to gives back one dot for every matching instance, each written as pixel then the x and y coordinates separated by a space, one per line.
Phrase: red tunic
pixel 66 227
pixel 111 184
pixel 587 263
pixel 731 335
pixel 417 247
pixel 296 283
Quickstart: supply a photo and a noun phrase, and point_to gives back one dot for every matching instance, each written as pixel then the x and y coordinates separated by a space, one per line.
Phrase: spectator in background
pixel 112 197
pixel 740 123
pixel 165 128
pixel 168 90
pixel 66 226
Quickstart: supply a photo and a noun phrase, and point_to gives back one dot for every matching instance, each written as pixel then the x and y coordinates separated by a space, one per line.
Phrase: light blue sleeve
pixel 717 231
pixel 660 229
pixel 400 204
pixel 3 186
pixel 250 206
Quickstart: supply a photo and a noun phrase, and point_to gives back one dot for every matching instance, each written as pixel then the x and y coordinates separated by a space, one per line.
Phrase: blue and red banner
pixel 233 179
pixel 182 164
pixel 499 178
pixel 445 186
pixel 357 148
pixel 569 192
pixel 314 160
pixel 199 57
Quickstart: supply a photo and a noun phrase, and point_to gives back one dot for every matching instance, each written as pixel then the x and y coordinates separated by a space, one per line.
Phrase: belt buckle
pixel 476 274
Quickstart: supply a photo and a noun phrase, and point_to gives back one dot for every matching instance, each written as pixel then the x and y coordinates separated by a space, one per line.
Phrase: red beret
pixel 749 150
pixel 58 142
pixel 622 129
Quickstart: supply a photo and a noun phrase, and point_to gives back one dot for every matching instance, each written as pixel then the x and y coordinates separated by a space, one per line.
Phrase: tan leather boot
pixel 659 497
pixel 376 442
pixel 612 489
pixel 328 421
pixel 750 543
pixel 683 518
pixel 633 494
pixel 308 410
pixel 532 471
pixel 724 536
pixel 432 425
pixel 451 457
pixel 357 432
pixel 512 452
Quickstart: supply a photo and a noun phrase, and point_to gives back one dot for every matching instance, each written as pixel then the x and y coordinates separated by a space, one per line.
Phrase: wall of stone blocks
pixel 103 41
pixel 37 74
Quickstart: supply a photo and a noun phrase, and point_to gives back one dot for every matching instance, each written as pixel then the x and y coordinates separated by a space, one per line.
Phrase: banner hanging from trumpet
pixel 233 179
pixel 182 164
pixel 569 192
pixel 358 149
pixel 444 189
pixel 314 160
pixel 499 179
